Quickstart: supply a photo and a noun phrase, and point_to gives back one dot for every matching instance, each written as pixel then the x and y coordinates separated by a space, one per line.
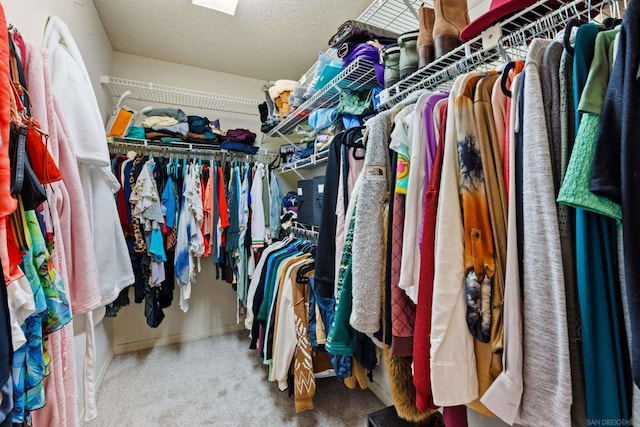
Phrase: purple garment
pixel 430 131
pixel 366 51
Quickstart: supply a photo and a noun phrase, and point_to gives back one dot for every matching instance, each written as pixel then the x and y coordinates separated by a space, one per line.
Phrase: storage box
pixel 310 195
pixel 387 417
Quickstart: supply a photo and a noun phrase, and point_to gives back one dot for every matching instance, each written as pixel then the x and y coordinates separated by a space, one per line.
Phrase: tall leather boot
pixel 451 17
pixel 425 36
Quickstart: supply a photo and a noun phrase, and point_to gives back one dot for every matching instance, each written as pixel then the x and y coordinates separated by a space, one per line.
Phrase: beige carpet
pixel 216 381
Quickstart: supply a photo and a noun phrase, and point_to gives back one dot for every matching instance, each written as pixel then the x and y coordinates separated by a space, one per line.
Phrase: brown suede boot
pixel 425 36
pixel 451 17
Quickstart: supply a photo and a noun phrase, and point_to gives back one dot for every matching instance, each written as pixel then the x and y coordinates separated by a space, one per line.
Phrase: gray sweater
pixel 547 395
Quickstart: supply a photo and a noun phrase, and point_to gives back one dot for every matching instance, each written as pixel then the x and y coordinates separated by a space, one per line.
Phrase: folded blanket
pixel 152 121
pixel 322 118
pixel 355 31
pixel 157 135
pixel 180 128
pixel 239 146
pixel 207 136
pixel 176 113
pixel 198 124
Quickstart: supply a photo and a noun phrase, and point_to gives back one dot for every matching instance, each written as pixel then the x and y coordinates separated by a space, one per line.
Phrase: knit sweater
pixel 547 394
pixel 368 235
pixel 303 364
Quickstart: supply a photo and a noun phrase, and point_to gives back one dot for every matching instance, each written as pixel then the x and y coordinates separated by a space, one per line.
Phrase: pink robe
pixel 73 253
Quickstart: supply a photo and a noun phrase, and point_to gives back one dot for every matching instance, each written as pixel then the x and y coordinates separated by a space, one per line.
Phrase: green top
pixel 575 186
pixel 595 89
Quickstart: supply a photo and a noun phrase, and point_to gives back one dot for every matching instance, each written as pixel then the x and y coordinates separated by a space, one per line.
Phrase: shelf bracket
pixel 410 7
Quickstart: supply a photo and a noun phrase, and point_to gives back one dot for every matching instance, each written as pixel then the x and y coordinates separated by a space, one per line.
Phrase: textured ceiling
pixel 266 39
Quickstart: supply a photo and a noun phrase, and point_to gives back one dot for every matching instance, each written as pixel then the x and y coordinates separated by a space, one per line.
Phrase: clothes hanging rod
pixel 185 149
pixel 305 231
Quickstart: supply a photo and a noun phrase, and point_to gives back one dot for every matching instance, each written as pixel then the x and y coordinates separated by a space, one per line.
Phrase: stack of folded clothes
pixel 165 125
pixel 241 140
pixel 356 39
pixel 200 132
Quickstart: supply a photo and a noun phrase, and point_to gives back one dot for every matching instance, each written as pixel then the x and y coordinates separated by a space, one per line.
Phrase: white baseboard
pixel 174 339
pixel 381 393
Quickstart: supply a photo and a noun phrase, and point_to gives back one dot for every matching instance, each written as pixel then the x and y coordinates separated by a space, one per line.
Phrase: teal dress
pixel 603 341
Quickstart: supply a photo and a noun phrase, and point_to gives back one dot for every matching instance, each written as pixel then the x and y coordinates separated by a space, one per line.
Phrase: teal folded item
pixel 322 118
pixel 136 132
pixel 171 139
pixel 328 72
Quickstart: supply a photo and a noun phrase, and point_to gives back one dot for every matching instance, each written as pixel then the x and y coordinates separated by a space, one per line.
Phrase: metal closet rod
pixel 145 146
pixel 310 232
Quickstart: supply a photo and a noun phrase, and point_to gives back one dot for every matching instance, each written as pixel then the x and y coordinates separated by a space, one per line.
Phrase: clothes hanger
pixel 301 277
pixel 505 77
pixel 573 23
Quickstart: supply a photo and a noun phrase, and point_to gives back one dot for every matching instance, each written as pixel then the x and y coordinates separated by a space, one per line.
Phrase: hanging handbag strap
pixel 20 156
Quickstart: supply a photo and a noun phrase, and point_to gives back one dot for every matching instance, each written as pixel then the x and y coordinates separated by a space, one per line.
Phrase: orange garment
pixel 7 203
pixel 207 205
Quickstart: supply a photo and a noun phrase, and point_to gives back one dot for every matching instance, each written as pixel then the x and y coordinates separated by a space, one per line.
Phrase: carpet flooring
pixel 216 381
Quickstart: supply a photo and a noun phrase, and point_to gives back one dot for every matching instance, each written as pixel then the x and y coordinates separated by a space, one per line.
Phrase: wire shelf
pixel 359 75
pixel 393 15
pixel 314 160
pixel 161 94
pixel 540 19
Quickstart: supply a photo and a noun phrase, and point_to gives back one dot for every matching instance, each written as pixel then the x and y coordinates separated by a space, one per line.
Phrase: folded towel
pixel 136 132
pixel 323 118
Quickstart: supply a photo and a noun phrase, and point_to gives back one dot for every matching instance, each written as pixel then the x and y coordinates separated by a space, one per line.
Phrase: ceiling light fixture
pixel 224 6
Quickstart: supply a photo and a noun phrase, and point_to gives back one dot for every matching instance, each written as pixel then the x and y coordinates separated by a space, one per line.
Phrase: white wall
pixel 212 311
pixel 30 17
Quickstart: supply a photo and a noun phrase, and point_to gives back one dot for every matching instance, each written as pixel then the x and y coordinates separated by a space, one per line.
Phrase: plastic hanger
pixel 573 23
pixel 505 77
pixel 301 277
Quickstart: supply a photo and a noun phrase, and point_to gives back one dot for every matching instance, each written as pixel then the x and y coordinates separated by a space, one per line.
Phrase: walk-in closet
pixel 288 213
